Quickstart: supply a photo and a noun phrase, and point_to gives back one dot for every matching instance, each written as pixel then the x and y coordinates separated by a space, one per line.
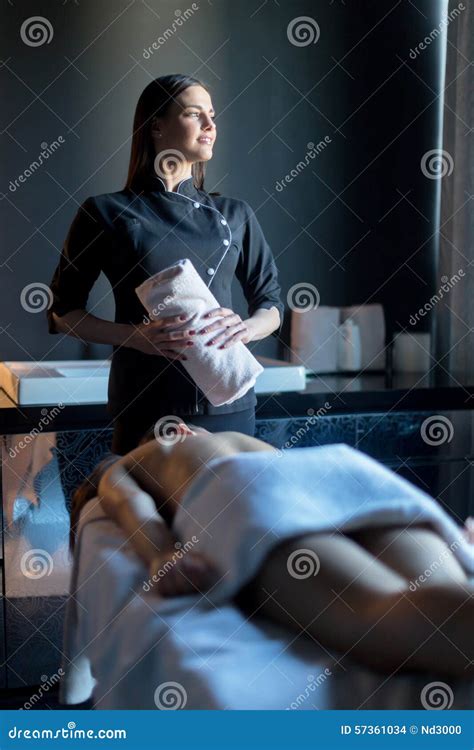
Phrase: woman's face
pixel 188 126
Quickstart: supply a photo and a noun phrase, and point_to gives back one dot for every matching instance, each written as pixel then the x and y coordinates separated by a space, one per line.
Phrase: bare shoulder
pixel 154 458
pixel 145 463
pixel 151 449
pixel 243 443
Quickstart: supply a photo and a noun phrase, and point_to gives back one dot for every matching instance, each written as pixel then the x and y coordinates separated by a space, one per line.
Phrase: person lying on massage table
pixel 360 603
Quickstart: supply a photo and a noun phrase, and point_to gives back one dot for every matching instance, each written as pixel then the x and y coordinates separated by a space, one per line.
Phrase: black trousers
pixel 130 428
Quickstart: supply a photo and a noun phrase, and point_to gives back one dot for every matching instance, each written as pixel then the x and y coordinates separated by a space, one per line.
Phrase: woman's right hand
pixel 161 337
pixel 190 573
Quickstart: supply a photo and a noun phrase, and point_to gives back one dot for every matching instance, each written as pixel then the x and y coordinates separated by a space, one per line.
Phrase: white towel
pixel 240 507
pixel 223 375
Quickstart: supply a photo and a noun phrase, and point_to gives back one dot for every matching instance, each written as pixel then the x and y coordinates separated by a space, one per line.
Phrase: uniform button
pixel 210 272
pixel 196 205
pixel 226 242
pixel 223 221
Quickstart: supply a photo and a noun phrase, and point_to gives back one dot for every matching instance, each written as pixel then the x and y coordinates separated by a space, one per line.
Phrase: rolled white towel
pixel 223 375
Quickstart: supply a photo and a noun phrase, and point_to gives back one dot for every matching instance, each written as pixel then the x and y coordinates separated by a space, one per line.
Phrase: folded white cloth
pixel 240 507
pixel 223 375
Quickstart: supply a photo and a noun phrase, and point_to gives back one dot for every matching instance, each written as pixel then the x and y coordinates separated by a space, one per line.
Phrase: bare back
pixel 166 470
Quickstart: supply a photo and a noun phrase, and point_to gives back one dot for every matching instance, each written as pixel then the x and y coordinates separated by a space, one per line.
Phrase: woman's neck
pixel 172 181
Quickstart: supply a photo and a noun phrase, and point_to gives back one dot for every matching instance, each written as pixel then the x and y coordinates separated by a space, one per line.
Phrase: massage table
pixel 126 648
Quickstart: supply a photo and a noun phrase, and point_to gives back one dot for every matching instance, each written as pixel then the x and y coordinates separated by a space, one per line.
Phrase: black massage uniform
pixel 130 235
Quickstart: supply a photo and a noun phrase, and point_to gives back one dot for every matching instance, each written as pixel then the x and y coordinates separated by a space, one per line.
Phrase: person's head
pixel 87 490
pixel 173 112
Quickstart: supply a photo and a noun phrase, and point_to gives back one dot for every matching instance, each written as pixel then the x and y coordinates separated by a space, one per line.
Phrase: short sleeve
pixel 79 265
pixel 256 270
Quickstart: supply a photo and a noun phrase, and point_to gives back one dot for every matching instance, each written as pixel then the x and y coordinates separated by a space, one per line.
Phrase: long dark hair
pixel 87 490
pixel 155 99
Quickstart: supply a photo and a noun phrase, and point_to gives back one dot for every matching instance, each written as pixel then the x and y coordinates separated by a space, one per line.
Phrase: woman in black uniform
pixel 161 216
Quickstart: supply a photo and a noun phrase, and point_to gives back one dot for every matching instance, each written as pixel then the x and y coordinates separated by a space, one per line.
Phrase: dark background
pixel 358 223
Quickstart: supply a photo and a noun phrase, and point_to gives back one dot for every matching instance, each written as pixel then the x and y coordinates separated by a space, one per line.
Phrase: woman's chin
pixel 204 153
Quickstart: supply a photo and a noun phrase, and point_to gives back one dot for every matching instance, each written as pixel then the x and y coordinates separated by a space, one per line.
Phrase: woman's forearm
pixel 134 510
pixel 84 326
pixel 262 323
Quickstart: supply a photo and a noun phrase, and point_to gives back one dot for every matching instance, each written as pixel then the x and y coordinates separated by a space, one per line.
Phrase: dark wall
pixel 359 222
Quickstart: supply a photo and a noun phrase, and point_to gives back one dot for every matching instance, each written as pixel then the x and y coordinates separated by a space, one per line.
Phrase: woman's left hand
pixel 234 328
